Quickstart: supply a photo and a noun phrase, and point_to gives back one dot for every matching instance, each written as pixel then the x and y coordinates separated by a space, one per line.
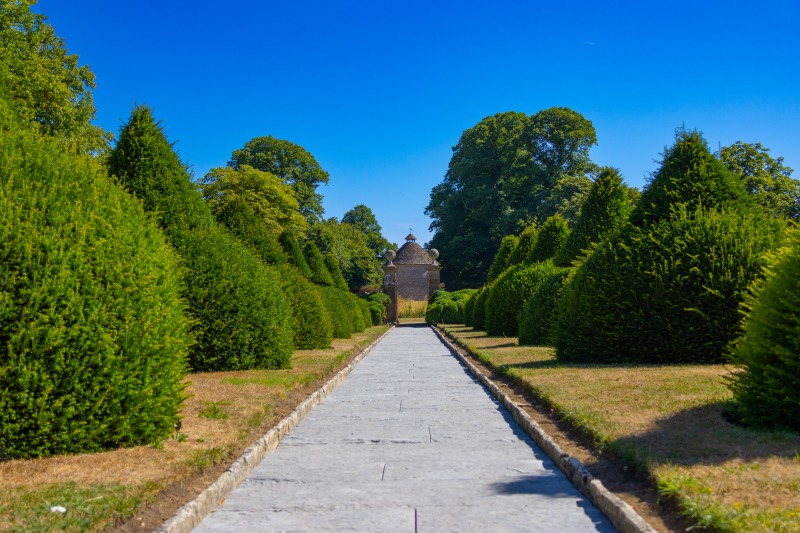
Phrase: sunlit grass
pixel 411 308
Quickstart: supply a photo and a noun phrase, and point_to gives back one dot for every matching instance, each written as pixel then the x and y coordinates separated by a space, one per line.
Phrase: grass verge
pixel 665 422
pixel 226 412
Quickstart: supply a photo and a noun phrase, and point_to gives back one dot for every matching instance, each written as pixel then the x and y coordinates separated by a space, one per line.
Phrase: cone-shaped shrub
pixel 319 272
pixel 294 253
pixel 766 390
pixel 479 311
pixel 243 318
pixel 313 325
pixel 604 212
pixel 666 293
pixel 536 318
pixel 509 293
pixel 93 334
pixel 502 257
pixel 377 310
pixel 448 307
pixel 689 175
pixel 341 311
pixel 527 239
pixel 469 307
pixel 242 222
pixel 332 264
pixel 552 235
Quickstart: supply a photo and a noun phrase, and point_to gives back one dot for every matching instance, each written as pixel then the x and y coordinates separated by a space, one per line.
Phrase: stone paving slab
pixel 408 442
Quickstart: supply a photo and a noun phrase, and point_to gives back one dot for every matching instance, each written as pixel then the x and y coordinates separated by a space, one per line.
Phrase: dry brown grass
pixel 411 308
pixel 242 405
pixel 667 421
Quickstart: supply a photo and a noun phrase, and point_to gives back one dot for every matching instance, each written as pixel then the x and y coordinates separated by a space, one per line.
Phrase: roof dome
pixel 412 253
pixel 410 238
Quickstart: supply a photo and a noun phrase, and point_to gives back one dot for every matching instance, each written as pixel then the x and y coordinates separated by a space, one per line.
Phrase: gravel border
pixel 191 514
pixel 622 515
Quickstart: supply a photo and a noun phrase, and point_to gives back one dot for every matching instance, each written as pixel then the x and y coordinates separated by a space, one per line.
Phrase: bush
pixel 319 273
pixel 380 297
pixel 248 228
pixel 502 257
pixel 243 318
pixel 469 307
pixel 332 264
pixel 448 307
pixel 767 388
pixel 346 312
pixel 479 311
pixel 552 235
pixel 604 212
pixel 93 334
pixel 667 294
pixel 509 293
pixel 536 318
pixel 294 253
pixel 313 325
pixel 527 239
pixel 691 176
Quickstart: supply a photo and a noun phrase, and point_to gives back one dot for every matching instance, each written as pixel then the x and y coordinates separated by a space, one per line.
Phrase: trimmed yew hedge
pixel 536 319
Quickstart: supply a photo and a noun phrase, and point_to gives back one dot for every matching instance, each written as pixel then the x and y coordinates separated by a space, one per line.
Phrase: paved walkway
pixel 408 442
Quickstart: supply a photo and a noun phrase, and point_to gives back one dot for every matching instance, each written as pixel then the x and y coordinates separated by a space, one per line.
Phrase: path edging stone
pixel 621 514
pixel 191 514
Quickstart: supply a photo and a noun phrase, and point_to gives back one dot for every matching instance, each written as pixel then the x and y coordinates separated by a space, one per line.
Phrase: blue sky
pixel 379 92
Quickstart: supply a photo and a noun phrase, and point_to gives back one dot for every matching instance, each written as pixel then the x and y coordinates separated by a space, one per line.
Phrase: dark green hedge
pixel 313 325
pixel 527 240
pixel 314 260
pixel 448 307
pixel 552 235
pixel 667 293
pixel 508 295
pixel 93 335
pixel 332 264
pixel 348 314
pixel 478 316
pixel 536 318
pixel 767 388
pixel 294 253
pixel 502 257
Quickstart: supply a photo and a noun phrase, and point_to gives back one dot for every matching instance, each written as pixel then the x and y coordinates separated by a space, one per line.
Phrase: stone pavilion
pixel 410 274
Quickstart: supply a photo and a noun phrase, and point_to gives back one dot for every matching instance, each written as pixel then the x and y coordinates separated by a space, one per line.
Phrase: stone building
pixel 410 274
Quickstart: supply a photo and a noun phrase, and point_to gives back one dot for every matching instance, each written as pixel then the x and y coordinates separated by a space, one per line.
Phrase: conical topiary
pixel 689 175
pixel 502 257
pixel 332 264
pixel 605 211
pixel 319 272
pixel 527 239
pixel 552 235
pixel 294 253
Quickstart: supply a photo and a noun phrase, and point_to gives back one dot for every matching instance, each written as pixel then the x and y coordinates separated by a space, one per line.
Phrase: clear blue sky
pixel 379 92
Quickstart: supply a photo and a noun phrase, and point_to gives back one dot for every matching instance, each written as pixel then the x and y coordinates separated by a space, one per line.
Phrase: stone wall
pixel 412 282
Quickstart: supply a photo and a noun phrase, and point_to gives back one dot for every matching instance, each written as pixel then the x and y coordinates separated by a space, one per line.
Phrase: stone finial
pixel 433 253
pixel 390 255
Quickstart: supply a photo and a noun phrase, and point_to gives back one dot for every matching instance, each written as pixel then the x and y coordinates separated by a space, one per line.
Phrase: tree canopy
pixel 292 164
pixel 46 83
pixel 349 246
pixel 363 219
pixel 502 176
pixel 768 180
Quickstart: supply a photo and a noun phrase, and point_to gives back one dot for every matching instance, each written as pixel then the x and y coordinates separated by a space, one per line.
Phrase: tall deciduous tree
pixel 362 218
pixel 292 164
pixel 768 180
pixel 46 83
pixel 502 176
pixel 349 246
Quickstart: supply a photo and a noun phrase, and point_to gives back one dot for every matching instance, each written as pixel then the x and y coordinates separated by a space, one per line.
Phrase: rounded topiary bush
pixel 93 333
pixel 341 311
pixel 479 309
pixel 502 257
pixel 313 325
pixel 244 320
pixel 766 389
pixel 509 293
pixel 552 235
pixel 443 311
pixel 667 293
pixel 377 312
pixel 536 318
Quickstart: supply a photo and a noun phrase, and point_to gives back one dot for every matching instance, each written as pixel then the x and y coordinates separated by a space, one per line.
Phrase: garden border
pixel 622 515
pixel 190 515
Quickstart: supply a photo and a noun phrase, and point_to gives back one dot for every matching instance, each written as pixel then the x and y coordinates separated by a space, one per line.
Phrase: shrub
pixel 377 311
pixel 479 311
pixel 243 318
pixel 536 318
pixel 448 307
pixel 248 228
pixel 93 333
pixel 502 257
pixel 767 387
pixel 689 175
pixel 294 253
pixel 319 273
pixel 509 293
pixel 380 297
pixel 332 264
pixel 667 294
pixel 313 325
pixel 527 239
pixel 604 212
pixel 552 235
pixel 469 307
pixel 346 312
pixel 366 314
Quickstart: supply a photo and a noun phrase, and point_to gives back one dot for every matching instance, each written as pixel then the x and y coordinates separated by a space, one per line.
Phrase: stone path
pixel 408 442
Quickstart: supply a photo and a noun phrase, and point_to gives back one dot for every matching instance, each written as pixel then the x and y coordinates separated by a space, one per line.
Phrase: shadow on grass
pixel 503 345
pixel 703 436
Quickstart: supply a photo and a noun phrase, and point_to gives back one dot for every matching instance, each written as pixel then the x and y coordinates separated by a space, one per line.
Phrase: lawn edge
pixel 622 515
pixel 190 515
